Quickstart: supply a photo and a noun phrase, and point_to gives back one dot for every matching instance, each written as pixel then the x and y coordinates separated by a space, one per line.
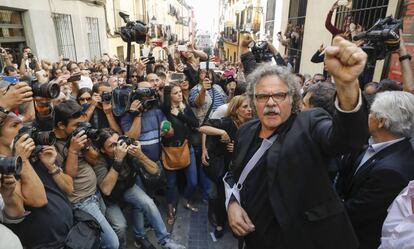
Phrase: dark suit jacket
pixel 369 193
pixel 301 194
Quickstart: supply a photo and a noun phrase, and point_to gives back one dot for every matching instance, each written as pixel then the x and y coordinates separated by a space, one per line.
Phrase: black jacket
pixel 302 198
pixel 368 193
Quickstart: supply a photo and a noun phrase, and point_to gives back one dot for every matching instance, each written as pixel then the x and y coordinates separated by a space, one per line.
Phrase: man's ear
pixel 381 123
pixel 60 125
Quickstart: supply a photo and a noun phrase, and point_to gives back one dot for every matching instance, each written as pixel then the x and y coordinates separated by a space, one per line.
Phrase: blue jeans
pixel 191 176
pixel 141 204
pixel 91 206
pixel 203 180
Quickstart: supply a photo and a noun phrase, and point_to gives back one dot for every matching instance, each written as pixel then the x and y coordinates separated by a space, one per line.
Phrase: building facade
pixel 309 19
pixel 73 29
pixel 239 16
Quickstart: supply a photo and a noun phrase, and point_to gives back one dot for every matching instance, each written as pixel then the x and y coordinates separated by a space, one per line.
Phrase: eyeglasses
pixel 276 97
pixel 85 99
pixel 134 76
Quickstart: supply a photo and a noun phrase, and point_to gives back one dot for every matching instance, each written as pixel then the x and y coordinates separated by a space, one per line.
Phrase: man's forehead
pixel 271 81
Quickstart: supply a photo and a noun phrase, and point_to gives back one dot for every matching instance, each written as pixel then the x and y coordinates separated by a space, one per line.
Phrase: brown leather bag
pixel 175 158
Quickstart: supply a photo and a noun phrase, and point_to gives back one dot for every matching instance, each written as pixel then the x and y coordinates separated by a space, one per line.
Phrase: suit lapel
pixel 366 168
pixel 244 144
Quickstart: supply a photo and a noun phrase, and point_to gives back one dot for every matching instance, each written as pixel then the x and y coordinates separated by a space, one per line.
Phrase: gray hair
pixel 283 74
pixel 397 108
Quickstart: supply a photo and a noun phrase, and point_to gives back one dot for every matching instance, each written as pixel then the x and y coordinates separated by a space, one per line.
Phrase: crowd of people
pixel 284 160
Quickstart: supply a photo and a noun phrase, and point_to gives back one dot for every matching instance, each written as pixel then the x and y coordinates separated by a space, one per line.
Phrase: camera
pixel 46 90
pixel 90 132
pixel 123 96
pixel 39 137
pixel 383 37
pixel 151 59
pixel 126 139
pixel 134 31
pixel 106 97
pixel 262 52
pixel 30 56
pixel 10 165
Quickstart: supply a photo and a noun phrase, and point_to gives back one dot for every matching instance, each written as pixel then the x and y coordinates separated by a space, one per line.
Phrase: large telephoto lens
pixel 44 138
pixel 46 90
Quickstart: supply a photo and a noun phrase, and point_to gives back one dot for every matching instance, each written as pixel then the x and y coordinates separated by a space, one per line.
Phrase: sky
pixel 204 10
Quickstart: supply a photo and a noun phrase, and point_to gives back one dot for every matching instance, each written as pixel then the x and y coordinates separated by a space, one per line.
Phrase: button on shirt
pixel 374 149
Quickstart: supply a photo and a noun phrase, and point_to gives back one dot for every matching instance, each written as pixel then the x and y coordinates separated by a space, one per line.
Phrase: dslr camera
pixel 50 90
pixel 40 138
pixel 261 52
pixel 90 132
pixel 127 140
pixel 134 31
pixel 106 97
pixel 382 38
pixel 11 165
pixel 123 96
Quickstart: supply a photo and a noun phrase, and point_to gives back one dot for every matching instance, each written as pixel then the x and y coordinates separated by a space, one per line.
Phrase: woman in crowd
pixel 191 59
pixel 220 143
pixel 182 121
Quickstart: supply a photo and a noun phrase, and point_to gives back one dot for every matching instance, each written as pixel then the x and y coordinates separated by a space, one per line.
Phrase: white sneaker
pixel 171 244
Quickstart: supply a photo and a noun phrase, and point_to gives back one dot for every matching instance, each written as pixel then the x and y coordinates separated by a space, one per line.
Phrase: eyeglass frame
pixel 273 95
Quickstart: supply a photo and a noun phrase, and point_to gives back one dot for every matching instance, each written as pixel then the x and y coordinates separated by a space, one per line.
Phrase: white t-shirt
pixel 220 112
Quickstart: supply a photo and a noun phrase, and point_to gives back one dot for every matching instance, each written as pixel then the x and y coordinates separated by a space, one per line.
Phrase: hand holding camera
pixel 78 142
pixel 15 95
pixel 24 147
pixel 121 151
pixel 96 98
pixel 48 156
pixel 107 107
pixel 7 185
pixel 136 106
pixel 135 149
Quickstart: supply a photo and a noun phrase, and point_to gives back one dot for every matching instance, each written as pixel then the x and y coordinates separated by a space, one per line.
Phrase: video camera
pixel 261 51
pixel 106 97
pixel 134 31
pixel 11 165
pixel 123 96
pixel 383 37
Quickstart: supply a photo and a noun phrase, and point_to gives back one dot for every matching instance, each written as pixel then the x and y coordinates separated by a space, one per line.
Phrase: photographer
pixel 72 155
pixel 28 63
pixel 39 188
pixel 116 171
pixel 144 125
pixel 248 58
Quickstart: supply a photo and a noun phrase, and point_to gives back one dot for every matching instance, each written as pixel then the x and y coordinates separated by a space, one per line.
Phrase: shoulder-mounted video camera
pixel 383 37
pixel 123 96
pixel 134 31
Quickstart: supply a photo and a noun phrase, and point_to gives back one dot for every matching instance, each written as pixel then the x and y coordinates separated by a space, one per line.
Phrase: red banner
pixel 408 36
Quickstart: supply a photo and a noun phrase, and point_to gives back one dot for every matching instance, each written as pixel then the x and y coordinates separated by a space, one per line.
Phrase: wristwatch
pixel 405 57
pixel 4 110
pixel 56 170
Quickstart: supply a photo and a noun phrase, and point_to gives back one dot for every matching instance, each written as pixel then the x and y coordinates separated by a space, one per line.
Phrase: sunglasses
pixel 85 99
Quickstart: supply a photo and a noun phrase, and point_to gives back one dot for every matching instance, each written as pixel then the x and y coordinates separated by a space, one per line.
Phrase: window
pixel 93 38
pixel 11 26
pixel 364 13
pixel 117 18
pixel 270 18
pixel 64 35
pixel 294 31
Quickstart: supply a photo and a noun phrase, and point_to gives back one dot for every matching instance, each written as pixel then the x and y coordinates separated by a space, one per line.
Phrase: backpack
pixel 85 233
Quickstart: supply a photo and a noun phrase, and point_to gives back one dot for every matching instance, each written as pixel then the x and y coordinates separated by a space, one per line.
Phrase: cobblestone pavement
pixel 191 229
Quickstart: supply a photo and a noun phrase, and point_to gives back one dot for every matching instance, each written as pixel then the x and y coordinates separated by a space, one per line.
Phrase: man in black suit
pixel 371 179
pixel 287 199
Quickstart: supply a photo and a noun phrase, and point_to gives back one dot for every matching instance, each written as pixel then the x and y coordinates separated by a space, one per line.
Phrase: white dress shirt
pixel 398 227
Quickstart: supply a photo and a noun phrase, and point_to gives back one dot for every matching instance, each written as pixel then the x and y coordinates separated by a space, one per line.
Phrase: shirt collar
pixel 380 146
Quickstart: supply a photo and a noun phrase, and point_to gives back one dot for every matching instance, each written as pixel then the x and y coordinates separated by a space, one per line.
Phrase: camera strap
pixel 211 106
pixel 236 188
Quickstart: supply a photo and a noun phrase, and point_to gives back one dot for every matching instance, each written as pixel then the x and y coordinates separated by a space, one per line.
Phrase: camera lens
pixel 46 90
pixel 44 138
pixel 10 165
